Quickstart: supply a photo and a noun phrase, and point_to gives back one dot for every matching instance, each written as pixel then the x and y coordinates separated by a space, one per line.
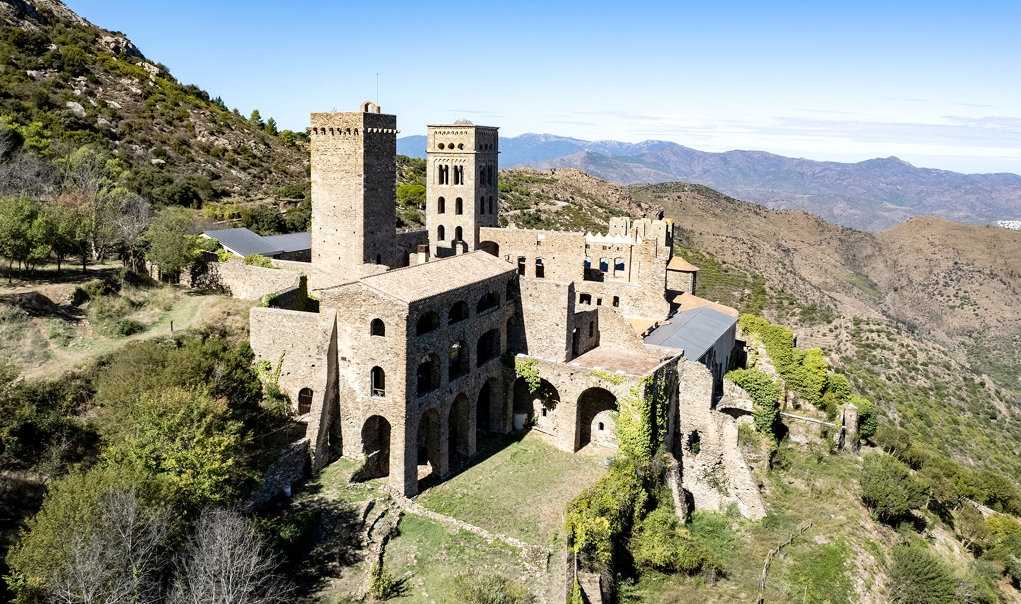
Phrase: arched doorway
pixel 592 404
pixel 376 447
pixel 490 247
pixel 458 437
pixel 535 407
pixel 428 449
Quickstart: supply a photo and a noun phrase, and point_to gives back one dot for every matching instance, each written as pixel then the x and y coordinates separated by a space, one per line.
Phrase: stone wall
pixel 562 252
pixel 545 308
pixel 280 477
pixel 249 282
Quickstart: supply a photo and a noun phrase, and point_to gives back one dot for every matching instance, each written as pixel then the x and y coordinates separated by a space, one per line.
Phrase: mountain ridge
pixel 871 194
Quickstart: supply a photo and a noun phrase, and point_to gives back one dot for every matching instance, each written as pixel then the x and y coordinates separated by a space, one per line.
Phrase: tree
pixel 170 239
pixel 130 219
pixel 889 489
pixel 16 217
pixel 120 558
pixel 227 562
pixel 271 127
pixel 255 119
pixel 919 577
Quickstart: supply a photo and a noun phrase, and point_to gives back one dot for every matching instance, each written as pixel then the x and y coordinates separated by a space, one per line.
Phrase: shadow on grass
pixel 488 444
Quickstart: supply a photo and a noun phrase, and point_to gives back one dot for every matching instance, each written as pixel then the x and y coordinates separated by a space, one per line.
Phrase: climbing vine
pixel 765 397
pixel 529 370
pixel 613 378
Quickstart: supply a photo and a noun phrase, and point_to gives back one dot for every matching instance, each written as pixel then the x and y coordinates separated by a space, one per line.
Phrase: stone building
pixel 412 359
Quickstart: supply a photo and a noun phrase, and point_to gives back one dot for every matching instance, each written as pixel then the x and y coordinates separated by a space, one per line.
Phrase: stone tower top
pixel 370 107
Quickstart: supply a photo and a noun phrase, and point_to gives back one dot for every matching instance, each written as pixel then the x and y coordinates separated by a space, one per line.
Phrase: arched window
pixel 458 363
pixel 428 375
pixel 588 263
pixel 441 205
pixel 584 298
pixel 304 401
pixel 492 204
pixel 604 265
pixel 458 312
pixel 458 175
pixel 427 322
pixel 521 265
pixel 377 328
pixel 488 347
pixel 441 233
pixel 540 269
pixel 488 301
pixel 459 206
pixel 458 234
pixel 618 265
pixel 616 300
pixel 378 382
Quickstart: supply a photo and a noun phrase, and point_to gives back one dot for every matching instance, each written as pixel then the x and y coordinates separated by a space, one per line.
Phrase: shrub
pixel 478 588
pixel 385 585
pixel 601 516
pixel 889 489
pixel 127 327
pixel 660 542
pixel 919 577
pixel 765 396
pixel 258 260
pixel 868 419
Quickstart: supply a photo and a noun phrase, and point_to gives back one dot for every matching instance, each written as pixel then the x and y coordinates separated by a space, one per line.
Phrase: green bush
pixel 258 260
pixel 384 585
pixel 478 588
pixel 127 327
pixel 600 518
pixel 765 396
pixel 889 489
pixel 919 577
pixel 662 543
pixel 868 419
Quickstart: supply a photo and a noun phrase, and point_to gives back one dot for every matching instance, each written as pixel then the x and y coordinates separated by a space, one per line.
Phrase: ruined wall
pixel 250 282
pixel 545 309
pixel 713 469
pixel 562 252
pixel 680 281
pixel 616 333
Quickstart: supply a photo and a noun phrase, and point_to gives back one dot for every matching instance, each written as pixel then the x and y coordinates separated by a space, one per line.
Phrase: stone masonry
pixel 409 362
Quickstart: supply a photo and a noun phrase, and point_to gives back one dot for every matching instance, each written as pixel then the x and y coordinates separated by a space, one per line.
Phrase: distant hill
pixel 65 82
pixel 872 194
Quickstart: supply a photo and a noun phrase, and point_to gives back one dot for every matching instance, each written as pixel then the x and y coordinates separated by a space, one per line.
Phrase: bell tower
pixel 462 169
pixel 354 175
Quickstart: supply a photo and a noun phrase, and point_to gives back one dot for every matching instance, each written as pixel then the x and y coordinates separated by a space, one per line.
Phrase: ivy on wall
pixel 529 370
pixel 765 396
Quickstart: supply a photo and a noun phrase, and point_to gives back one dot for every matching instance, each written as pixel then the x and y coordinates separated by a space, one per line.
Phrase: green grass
pixel 521 490
pixel 431 557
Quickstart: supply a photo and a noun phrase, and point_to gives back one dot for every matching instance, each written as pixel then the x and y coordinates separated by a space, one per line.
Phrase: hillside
pixel 65 82
pixel 920 316
pixel 872 194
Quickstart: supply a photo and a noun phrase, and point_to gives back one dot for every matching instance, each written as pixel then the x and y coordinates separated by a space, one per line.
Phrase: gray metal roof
pixel 242 242
pixel 290 242
pixel 694 331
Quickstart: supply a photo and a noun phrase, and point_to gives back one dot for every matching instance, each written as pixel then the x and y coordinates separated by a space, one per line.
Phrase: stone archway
pixel 538 407
pixel 428 449
pixel 484 409
pixel 592 403
pixel 458 437
pixel 376 447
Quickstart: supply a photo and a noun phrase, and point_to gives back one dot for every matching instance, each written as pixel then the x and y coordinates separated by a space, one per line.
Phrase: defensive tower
pixel 353 180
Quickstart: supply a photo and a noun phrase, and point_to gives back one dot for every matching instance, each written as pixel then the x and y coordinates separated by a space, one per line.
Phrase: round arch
pixel 535 407
pixel 597 409
pixel 428 447
pixel 375 447
pixel 459 433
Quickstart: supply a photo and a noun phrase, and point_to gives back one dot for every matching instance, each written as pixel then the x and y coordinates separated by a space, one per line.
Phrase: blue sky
pixel 935 83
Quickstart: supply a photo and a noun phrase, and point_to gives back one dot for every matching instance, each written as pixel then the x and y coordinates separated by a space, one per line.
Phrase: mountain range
pixel 872 194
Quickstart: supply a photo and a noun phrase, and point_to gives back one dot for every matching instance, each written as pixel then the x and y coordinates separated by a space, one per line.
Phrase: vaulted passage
pixel 428 449
pixel 597 417
pixel 459 426
pixel 535 408
pixel 376 447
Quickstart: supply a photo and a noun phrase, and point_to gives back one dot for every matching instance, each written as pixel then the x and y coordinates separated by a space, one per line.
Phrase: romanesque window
pixel 428 375
pixel 441 205
pixel 492 205
pixel 443 174
pixel 459 206
pixel 458 363
pixel 378 382
pixel 540 269
pixel 616 300
pixel 377 328
pixel 585 298
pixel 304 401
pixel 427 322
pixel 488 301
pixel 489 175
pixel 604 265
pixel 458 312
pixel 521 265
pixel 458 234
pixel 618 265
pixel 458 175
pixel 588 263
pixel 441 233
pixel 488 347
